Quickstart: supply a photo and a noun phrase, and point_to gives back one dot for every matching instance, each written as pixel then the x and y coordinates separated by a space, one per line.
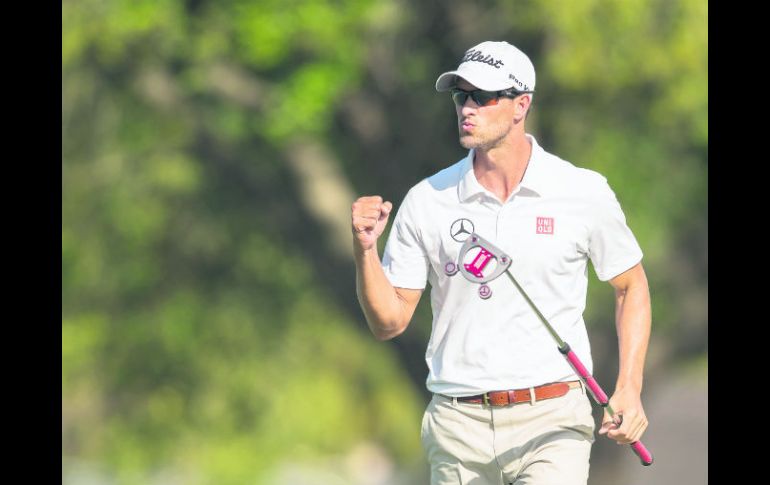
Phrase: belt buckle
pixel 485 398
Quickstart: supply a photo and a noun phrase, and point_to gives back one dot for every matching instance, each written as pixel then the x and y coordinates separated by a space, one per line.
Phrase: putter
pixel 473 272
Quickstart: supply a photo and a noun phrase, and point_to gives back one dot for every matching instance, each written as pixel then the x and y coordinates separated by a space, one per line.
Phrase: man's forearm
pixel 379 300
pixel 633 322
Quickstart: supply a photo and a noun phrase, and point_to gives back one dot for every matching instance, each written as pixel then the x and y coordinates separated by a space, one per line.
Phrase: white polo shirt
pixel 558 218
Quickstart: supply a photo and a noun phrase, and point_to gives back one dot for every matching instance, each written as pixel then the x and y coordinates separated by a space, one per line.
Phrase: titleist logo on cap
pixel 478 56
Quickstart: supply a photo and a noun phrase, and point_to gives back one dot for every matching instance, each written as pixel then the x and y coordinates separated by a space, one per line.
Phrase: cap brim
pixel 446 81
pixel 470 73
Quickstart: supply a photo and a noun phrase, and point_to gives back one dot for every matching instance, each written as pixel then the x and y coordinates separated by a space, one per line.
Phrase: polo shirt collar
pixel 534 181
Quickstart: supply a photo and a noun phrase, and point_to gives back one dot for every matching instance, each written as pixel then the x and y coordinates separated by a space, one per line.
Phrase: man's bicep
pixel 409 299
pixel 631 277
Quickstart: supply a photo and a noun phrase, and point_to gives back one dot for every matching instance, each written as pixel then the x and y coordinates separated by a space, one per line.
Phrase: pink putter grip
pixel 642 452
pixel 600 396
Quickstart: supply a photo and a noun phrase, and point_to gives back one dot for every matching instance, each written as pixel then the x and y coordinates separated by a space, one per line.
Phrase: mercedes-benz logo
pixel 461 229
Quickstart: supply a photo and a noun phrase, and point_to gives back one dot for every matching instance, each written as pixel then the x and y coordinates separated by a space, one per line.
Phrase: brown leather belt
pixel 504 398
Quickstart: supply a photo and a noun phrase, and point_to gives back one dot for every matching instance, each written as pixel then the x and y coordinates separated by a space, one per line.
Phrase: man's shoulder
pixel 573 178
pixel 440 182
pixel 570 170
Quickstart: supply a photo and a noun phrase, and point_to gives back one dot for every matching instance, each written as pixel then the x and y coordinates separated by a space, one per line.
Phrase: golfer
pixel 507 408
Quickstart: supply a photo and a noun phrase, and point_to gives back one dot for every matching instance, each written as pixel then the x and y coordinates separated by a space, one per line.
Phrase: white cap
pixel 492 66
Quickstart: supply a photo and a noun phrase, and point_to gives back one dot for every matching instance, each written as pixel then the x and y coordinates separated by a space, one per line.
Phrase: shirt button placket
pixel 499 228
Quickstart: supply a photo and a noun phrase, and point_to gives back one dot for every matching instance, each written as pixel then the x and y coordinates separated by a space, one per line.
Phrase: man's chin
pixel 468 142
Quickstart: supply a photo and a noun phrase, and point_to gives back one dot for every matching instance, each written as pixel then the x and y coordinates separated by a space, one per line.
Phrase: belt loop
pixel 532 399
pixel 454 401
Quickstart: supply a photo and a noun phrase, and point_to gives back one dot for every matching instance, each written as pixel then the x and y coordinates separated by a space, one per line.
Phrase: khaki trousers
pixel 545 443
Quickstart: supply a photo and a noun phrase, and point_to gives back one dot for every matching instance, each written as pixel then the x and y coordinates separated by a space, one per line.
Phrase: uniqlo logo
pixel 545 225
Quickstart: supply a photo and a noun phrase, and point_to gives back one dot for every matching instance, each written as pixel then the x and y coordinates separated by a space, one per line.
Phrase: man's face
pixel 483 127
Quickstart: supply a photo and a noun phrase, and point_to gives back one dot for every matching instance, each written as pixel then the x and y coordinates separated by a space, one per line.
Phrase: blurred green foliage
pixel 209 322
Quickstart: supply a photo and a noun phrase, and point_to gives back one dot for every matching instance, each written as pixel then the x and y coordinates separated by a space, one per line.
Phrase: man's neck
pixel 501 168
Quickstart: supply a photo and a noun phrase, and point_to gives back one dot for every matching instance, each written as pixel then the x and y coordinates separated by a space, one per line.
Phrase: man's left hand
pixel 628 404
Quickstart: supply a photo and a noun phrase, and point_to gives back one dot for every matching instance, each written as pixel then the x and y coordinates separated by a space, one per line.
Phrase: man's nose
pixel 469 107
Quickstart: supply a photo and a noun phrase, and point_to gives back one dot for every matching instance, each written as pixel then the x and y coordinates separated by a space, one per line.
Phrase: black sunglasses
pixel 483 98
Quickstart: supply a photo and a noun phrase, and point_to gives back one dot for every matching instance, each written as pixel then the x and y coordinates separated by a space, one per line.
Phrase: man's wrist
pixel 361 253
pixel 629 385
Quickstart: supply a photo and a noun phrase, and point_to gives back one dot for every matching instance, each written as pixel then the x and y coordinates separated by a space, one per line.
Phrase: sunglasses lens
pixel 481 98
pixel 459 97
pixel 485 98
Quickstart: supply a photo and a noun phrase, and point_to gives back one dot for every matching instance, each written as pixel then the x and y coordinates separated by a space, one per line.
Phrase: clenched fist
pixel 369 218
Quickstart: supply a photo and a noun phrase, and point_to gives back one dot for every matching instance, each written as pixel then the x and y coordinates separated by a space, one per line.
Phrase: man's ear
pixel 522 104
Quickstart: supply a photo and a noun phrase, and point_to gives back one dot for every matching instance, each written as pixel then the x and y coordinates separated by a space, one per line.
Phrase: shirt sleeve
pixel 613 248
pixel 405 261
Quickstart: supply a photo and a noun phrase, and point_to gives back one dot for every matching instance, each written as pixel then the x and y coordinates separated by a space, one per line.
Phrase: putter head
pixel 474 271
